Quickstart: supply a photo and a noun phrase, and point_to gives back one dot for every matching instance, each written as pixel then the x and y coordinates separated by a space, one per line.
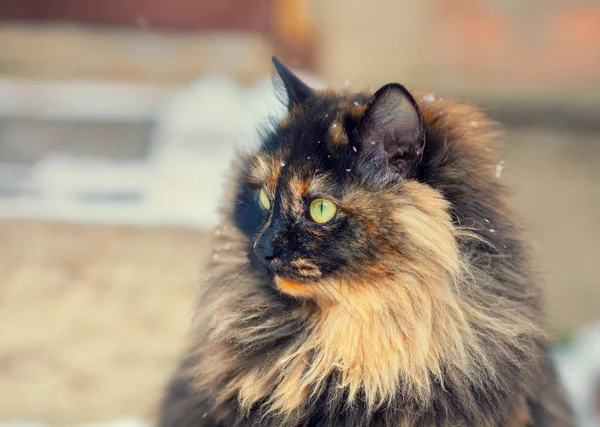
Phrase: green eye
pixel 264 200
pixel 322 210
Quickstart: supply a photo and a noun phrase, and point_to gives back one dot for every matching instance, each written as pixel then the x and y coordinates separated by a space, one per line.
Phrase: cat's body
pixel 413 305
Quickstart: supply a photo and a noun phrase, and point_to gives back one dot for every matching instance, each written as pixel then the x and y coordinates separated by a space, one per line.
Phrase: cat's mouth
pixel 302 288
pixel 294 279
pixel 286 284
pixel 300 270
pixel 297 277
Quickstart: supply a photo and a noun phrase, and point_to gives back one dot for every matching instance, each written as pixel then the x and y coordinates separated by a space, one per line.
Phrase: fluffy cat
pixel 368 273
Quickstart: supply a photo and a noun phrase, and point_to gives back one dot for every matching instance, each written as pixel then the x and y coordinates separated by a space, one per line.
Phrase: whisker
pixel 323 287
pixel 347 300
pixel 320 286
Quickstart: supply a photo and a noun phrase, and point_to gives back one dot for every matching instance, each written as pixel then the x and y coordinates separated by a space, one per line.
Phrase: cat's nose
pixel 265 247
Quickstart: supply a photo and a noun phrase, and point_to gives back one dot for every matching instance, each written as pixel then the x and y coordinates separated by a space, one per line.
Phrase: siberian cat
pixel 368 273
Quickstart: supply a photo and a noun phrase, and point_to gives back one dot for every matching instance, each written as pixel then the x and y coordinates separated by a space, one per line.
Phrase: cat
pixel 368 272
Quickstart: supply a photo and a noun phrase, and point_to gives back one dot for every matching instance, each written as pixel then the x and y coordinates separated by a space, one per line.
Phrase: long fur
pixel 436 321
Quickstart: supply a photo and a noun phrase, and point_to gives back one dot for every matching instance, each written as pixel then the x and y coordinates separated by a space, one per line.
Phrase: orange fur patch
pixel 319 184
pixel 357 111
pixel 265 171
pixel 337 136
pixel 293 288
pixel 297 188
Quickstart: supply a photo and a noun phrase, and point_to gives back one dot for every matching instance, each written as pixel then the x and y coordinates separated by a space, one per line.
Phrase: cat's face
pixel 317 201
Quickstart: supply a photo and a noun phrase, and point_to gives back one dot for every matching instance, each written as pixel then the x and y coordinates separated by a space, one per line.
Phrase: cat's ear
pixel 296 90
pixel 392 128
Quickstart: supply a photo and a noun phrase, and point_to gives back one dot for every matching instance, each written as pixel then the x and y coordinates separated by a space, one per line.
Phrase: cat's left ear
pixel 392 128
pixel 297 91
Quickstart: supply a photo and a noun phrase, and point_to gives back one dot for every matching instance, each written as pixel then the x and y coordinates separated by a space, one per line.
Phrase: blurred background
pixel 118 122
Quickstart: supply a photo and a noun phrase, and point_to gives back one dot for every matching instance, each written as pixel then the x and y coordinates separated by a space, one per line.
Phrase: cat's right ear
pixel 296 90
pixel 392 129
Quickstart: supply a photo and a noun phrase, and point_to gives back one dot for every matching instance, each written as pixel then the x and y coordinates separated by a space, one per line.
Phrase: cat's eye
pixel 263 200
pixel 322 210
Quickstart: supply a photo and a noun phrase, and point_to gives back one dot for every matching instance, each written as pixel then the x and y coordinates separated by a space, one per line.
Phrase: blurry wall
pixel 503 47
pixel 248 15
pixel 153 41
pixel 520 47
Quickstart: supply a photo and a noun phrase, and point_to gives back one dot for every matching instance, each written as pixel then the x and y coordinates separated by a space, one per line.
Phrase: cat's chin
pixel 303 288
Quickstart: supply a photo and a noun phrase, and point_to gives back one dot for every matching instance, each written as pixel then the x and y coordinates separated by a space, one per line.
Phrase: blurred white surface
pixel 92 100
pixel 188 176
pixel 579 367
pixel 178 182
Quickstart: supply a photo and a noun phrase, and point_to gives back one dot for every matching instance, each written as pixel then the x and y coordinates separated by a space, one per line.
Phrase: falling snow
pixel 308 158
pixel 282 164
pixel 218 232
pixel 354 148
pixel 492 230
pixel 486 220
pixel 216 256
pixel 373 143
pixel 499 168
pixel 326 115
pixel 334 125
pixel 429 98
pixel 348 170
pixel 474 123
pixel 356 103
pixel 346 82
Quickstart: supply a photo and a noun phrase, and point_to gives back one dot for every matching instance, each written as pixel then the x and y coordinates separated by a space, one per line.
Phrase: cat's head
pixel 333 193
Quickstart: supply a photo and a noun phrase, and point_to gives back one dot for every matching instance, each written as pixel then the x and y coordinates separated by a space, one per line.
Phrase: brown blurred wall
pixel 501 46
pixel 248 15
